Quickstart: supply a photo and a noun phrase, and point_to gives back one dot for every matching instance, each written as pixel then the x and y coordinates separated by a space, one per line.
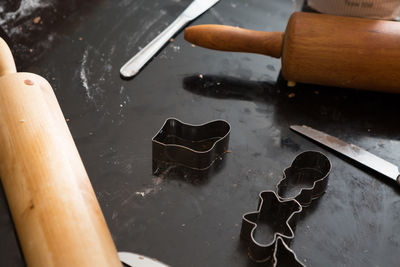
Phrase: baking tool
pixel 376 9
pixel 281 215
pixel 284 256
pixel 54 208
pixel 195 9
pixel 136 260
pixel 193 146
pixel 352 151
pixel 319 49
pixel 186 174
pixel 305 180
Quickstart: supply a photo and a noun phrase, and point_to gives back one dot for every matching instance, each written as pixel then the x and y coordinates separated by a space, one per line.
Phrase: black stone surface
pixel 79 47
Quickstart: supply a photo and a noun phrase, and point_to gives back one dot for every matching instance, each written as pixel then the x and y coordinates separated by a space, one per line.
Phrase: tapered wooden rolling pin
pixel 319 49
pixel 55 211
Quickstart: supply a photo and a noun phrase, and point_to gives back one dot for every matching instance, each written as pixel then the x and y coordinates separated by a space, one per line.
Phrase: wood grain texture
pixel 228 38
pixel 56 214
pixel 6 59
pixel 319 49
pixel 342 51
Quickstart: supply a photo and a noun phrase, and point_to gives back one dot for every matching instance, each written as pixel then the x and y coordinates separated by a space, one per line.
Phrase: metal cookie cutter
pixel 284 256
pixel 305 180
pixel 193 146
pixel 280 215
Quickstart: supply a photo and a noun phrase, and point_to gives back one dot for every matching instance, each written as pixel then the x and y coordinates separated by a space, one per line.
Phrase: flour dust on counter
pixel 18 11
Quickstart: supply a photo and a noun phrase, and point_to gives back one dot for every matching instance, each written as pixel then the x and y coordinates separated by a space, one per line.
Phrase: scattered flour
pixel 84 73
pixel 26 8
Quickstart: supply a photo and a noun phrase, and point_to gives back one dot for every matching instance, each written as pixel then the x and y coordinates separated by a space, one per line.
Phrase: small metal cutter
pixel 305 180
pixel 192 146
pixel 284 256
pixel 281 215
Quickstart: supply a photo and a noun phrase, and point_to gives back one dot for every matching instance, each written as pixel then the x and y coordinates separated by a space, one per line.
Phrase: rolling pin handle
pixel 234 39
pixel 7 64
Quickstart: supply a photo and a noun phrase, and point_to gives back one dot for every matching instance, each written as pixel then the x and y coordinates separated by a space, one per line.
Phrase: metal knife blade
pixel 195 9
pixel 352 151
pixel 136 260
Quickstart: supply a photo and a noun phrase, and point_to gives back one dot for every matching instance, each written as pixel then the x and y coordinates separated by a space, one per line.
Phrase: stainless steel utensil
pixel 195 9
pixel 352 151
pixel 136 260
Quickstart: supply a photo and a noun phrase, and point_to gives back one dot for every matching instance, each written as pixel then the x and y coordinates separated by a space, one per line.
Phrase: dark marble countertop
pixel 79 46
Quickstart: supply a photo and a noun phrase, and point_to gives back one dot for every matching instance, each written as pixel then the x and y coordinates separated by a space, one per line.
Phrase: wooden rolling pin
pixel 56 214
pixel 319 49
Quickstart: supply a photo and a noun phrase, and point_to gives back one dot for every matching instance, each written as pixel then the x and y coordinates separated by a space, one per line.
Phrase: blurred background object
pixel 377 9
pixel 31 27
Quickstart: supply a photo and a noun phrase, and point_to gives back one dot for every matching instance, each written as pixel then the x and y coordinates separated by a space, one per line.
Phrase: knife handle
pixel 133 66
pixel 234 39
